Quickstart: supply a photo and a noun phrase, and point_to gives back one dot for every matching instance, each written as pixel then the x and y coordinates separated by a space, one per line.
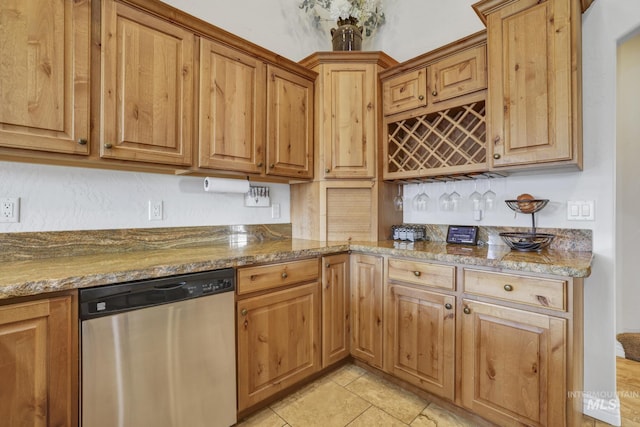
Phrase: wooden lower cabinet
pixel 336 307
pixel 39 362
pixel 366 308
pixel 420 339
pixel 514 365
pixel 278 341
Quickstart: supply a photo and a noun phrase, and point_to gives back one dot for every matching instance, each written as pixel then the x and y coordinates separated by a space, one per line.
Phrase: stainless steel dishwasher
pixel 160 352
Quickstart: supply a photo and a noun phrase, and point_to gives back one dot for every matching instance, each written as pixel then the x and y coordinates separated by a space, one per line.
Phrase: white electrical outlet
pixel 10 209
pixel 275 210
pixel 155 210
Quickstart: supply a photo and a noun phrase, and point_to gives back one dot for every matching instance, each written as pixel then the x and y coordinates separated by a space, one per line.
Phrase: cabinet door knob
pixel 272 166
pixel 496 156
pixel 259 165
pixel 434 93
pixel 108 145
pixel 508 288
pixel 448 306
pixel 82 141
pixel 285 275
pixel 467 310
pixel 421 97
pixel 327 170
pixel 244 311
pixel 417 273
pixel 327 265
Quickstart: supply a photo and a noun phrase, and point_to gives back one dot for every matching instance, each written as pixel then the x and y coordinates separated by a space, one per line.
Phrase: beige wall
pixel 627 180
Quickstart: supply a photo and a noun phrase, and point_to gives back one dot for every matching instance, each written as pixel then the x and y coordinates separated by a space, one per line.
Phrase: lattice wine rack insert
pixel 449 138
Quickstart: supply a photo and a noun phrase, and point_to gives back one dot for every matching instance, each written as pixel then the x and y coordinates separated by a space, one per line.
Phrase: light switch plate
pixel 581 210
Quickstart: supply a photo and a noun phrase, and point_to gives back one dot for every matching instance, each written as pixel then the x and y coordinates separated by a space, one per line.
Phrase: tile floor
pixel 351 396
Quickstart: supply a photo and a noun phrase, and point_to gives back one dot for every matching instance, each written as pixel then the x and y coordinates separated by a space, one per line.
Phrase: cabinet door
pixel 278 341
pixel 39 363
pixel 405 92
pixel 348 120
pixel 458 74
pixel 513 365
pixel 44 94
pixel 366 308
pixel 147 95
pixel 531 114
pixel 289 124
pixel 335 309
pixel 232 105
pixel 421 338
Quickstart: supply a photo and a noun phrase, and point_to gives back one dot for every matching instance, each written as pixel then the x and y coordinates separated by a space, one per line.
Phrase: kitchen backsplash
pixel 566 239
pixel 37 245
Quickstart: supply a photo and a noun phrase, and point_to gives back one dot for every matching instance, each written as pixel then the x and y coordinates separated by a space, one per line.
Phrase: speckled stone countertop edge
pixel 33 277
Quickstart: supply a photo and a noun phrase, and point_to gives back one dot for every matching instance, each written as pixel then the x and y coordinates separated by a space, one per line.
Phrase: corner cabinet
pixel 44 96
pixel 39 362
pixel 366 308
pixel 147 87
pixel 534 100
pixel 336 309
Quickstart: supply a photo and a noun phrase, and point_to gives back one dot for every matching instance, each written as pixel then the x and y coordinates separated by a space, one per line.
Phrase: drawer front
pixel 405 92
pixel 538 292
pixel 422 273
pixel 252 279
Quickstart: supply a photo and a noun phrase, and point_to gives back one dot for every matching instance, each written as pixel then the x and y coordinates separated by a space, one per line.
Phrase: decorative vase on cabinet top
pixel 348 36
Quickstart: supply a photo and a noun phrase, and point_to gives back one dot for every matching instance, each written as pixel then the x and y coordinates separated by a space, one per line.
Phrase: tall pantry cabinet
pixel 347 199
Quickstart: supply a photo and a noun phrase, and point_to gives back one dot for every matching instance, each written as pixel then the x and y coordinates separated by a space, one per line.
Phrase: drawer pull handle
pixel 260 164
pixel 508 288
pixel 327 170
pixel 467 310
pixel 82 141
pixel 417 273
pixel 244 312
pixel 108 146
pixel 285 275
pixel 328 265
pixel 434 93
pixel 421 97
pixel 448 306
pixel 496 156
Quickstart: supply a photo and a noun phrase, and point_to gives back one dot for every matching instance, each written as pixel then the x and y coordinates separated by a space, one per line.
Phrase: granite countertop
pixel 22 277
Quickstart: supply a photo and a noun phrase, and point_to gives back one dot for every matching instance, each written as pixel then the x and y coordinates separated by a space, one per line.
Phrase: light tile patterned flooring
pixel 353 397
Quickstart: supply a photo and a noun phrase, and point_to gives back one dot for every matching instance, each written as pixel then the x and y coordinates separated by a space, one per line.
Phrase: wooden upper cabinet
pixel 349 120
pixel 39 362
pixel 534 101
pixel 44 94
pixel 147 87
pixel 458 74
pixel 289 124
pixel 405 92
pixel 456 69
pixel 231 114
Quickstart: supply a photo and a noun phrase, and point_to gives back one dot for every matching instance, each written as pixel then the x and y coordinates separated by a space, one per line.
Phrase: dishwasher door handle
pixel 169 287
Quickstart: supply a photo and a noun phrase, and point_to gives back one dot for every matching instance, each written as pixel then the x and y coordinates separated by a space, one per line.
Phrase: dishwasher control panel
pixel 111 299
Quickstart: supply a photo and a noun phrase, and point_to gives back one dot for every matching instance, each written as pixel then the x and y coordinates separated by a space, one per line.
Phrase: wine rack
pixel 440 143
